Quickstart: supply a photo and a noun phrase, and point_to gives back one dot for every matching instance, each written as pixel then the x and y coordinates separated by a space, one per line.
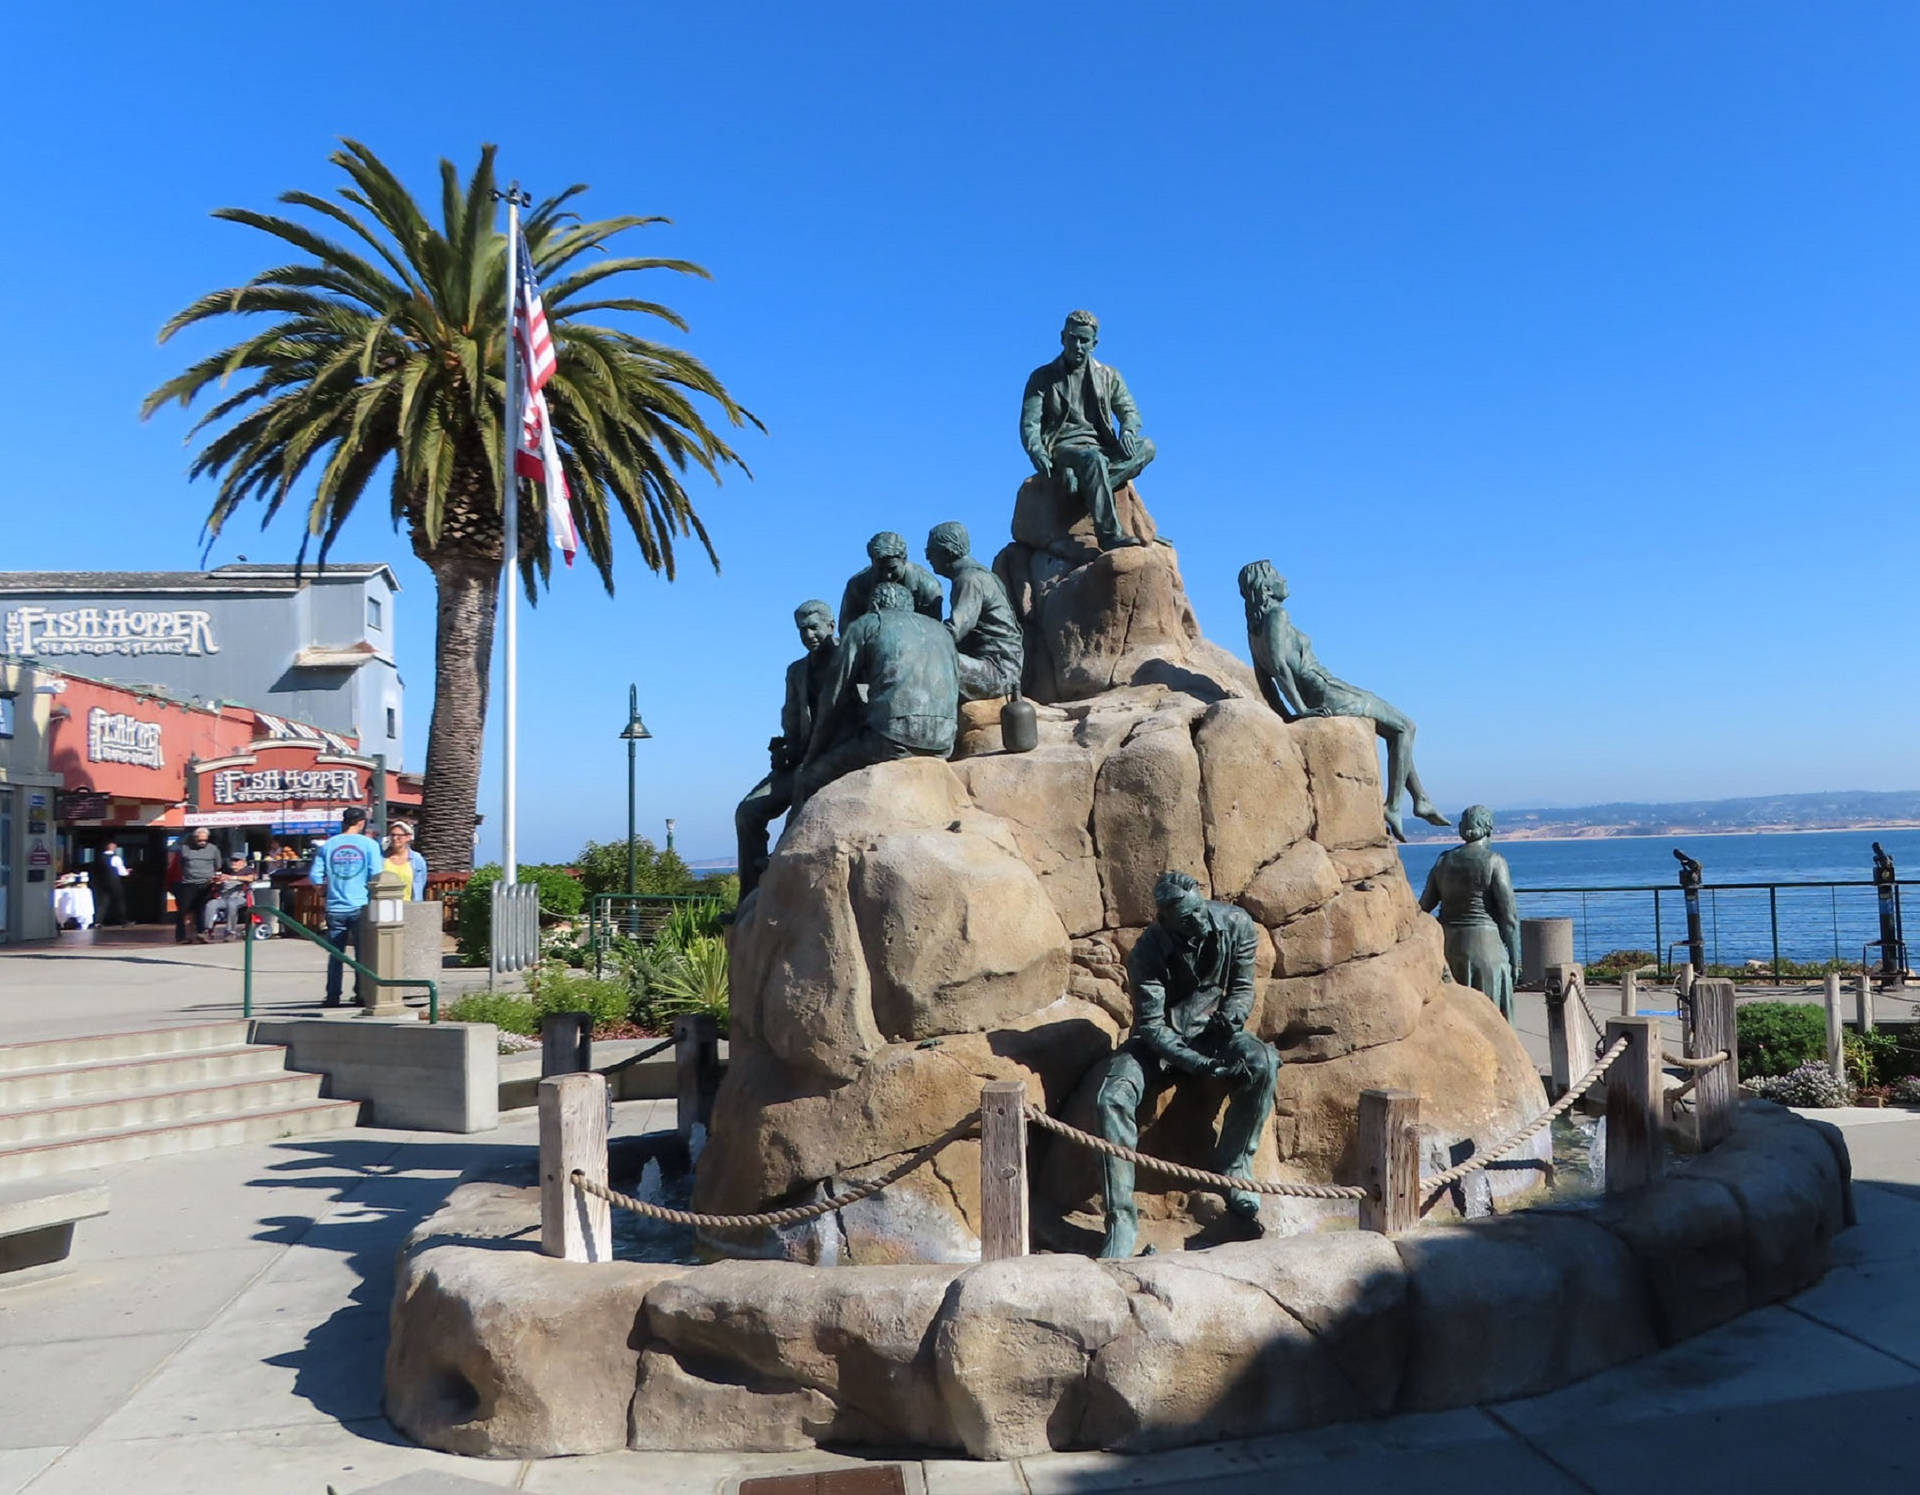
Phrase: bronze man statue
pixel 1192 978
pixel 1296 684
pixel 907 664
pixel 992 648
pixel 887 553
pixel 772 797
pixel 1067 418
pixel 1473 891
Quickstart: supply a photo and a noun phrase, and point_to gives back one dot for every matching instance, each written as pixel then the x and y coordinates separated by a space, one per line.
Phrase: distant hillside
pixel 1846 810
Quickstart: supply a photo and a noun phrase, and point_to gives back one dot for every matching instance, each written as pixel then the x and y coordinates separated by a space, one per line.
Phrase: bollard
pixel 1388 1144
pixel 1866 1001
pixel 1836 1040
pixel 566 1043
pixel 1629 994
pixel 573 1134
pixel 1716 1090
pixel 383 947
pixel 1636 1094
pixel 1567 1051
pixel 1003 1170
pixel 696 1069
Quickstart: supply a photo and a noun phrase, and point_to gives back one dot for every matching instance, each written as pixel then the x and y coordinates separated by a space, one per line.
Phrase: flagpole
pixel 510 564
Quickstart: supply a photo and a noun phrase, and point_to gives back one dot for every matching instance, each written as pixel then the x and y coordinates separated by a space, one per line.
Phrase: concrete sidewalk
pixel 225 1327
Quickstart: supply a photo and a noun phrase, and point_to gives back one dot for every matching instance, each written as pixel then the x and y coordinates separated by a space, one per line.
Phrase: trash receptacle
pixel 265 895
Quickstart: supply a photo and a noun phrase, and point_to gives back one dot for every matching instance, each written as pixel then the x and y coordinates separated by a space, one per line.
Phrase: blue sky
pixel 1564 358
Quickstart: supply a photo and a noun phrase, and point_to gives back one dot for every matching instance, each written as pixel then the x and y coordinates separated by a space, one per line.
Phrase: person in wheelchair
pixel 225 912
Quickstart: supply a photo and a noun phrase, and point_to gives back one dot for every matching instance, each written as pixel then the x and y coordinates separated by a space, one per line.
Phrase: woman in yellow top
pixel 404 860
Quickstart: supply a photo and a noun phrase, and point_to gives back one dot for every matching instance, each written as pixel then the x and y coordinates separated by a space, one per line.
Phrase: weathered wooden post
pixel 573 1134
pixel 1866 1001
pixel 1836 1033
pixel 696 1069
pixel 1636 1095
pixel 566 1043
pixel 1716 1090
pixel 1566 1050
pixel 1388 1143
pixel 1629 994
pixel 1003 1170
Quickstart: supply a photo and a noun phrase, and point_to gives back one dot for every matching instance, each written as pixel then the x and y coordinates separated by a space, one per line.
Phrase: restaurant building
pixel 308 646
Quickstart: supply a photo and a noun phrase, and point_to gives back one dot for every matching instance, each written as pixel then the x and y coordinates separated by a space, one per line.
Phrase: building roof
pixel 234 578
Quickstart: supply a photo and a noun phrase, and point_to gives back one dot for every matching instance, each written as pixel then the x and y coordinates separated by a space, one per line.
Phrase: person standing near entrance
pixel 345 865
pixel 199 862
pixel 110 886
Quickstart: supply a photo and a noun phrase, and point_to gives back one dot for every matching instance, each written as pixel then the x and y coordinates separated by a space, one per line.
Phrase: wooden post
pixel 1683 978
pixel 696 1069
pixel 1388 1144
pixel 566 1043
pixel 1836 1034
pixel 573 1134
pixel 1866 1001
pixel 1003 1170
pixel 1629 994
pixel 1715 1092
pixel 1565 1046
pixel 1636 1095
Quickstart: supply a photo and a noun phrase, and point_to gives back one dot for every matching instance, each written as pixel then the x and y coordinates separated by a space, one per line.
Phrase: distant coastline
pixel 1759 815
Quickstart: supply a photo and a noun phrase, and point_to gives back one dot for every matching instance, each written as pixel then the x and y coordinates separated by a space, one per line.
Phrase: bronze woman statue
pixel 1296 684
pixel 1473 891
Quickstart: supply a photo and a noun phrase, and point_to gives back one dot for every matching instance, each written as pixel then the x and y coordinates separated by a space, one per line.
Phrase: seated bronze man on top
pixel 1067 426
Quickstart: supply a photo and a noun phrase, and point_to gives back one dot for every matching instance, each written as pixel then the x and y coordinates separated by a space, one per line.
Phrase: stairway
pixel 73 1103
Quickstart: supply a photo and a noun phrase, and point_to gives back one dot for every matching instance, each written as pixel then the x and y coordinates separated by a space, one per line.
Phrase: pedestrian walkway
pixel 225 1326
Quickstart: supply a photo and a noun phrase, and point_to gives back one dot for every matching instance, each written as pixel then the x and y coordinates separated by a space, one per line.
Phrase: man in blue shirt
pixel 345 865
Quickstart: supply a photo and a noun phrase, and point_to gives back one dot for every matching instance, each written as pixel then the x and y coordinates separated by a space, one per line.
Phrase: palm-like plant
pixel 389 354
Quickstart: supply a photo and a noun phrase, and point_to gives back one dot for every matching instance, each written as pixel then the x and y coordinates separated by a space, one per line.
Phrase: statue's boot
pixel 1244 1203
pixel 1120 541
pixel 1123 1234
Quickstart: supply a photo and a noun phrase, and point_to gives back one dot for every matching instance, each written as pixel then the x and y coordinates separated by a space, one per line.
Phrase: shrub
pixel 555 988
pixel 560 894
pixel 1873 1058
pixel 602 868
pixel 1907 1091
pixel 689 922
pixel 1777 1038
pixel 510 1014
pixel 1808 1085
pixel 695 980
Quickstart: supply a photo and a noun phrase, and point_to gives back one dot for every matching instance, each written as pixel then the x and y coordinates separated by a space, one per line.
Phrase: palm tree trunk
pixel 467 587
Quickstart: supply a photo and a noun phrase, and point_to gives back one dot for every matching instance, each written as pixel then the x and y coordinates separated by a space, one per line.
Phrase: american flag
pixel 536 456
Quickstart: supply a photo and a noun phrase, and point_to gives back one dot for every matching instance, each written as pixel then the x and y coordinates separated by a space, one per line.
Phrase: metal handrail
pixel 287 919
pixel 600 915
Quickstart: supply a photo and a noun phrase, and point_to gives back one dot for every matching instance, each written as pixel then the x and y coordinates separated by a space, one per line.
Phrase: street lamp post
pixel 635 731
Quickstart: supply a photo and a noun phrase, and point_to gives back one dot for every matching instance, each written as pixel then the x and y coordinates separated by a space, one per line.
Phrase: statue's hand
pixel 1128 446
pixel 1043 464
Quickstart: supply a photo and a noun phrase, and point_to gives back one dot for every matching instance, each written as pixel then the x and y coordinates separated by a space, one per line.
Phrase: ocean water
pixel 1815 923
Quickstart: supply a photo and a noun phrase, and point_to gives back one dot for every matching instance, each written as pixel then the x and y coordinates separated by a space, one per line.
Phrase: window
pixel 373 612
pixel 393 722
pixel 6 716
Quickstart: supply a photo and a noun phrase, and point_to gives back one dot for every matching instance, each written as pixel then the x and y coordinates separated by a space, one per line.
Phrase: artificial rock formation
pixel 926 926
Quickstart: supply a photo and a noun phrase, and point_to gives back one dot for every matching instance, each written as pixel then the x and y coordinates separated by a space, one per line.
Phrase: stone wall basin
pixel 498 1351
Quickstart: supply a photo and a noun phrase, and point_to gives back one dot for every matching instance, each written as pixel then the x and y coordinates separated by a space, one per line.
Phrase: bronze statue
pixel 992 647
pixel 1067 418
pixel 1473 891
pixel 772 797
pixel 906 662
pixel 1296 684
pixel 887 553
pixel 1192 978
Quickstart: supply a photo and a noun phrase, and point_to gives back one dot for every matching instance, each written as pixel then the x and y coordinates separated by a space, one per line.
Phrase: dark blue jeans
pixel 343 933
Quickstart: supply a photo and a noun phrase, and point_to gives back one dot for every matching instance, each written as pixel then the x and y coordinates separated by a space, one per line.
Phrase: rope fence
pixel 1392 1199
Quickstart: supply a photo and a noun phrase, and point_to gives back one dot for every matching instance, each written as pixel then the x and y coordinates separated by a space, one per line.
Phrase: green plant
pixel 689 922
pixel 380 353
pixel 510 1014
pixel 560 895
pixel 602 868
pixel 1871 1058
pixel 555 988
pixel 1805 1085
pixel 695 980
pixel 1779 1037
pixel 1907 1091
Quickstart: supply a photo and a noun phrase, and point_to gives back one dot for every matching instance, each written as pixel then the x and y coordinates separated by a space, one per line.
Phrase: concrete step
pixel 98 1048
pixel 182 1071
pixel 103 1149
pixel 111 1113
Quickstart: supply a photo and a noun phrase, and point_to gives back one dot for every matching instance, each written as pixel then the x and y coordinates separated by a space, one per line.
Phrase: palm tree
pixel 392 357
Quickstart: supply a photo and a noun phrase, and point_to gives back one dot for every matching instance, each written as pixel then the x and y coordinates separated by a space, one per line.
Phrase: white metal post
pixel 510 563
